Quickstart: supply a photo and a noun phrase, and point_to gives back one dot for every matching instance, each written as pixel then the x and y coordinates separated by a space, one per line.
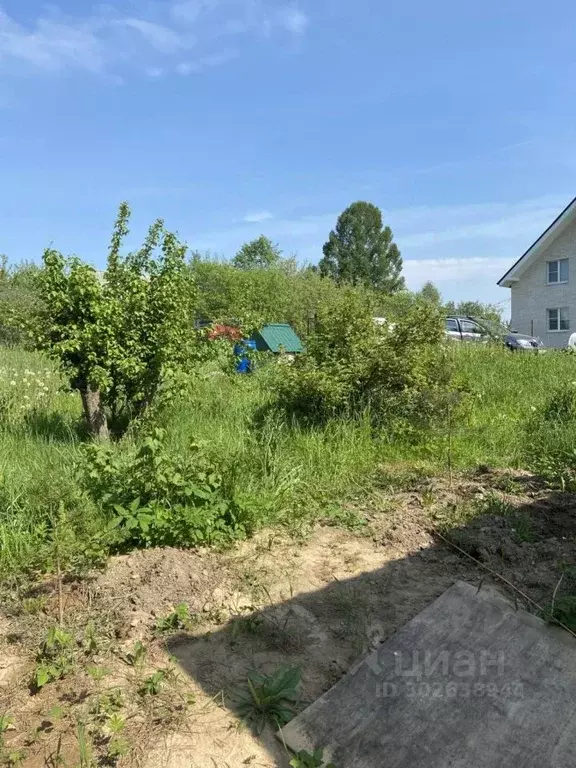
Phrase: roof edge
pixel 507 280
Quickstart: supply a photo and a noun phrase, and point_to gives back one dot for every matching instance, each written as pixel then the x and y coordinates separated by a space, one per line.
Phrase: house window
pixel 558 319
pixel 557 271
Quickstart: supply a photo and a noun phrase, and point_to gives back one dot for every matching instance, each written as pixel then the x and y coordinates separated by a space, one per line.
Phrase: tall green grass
pixel 282 470
pixel 506 389
pixel 275 465
pixel 39 444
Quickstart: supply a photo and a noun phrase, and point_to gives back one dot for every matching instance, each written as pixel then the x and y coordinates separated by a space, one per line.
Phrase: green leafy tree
pixel 430 293
pixel 119 335
pixel 261 253
pixel 19 300
pixel 475 309
pixel 250 298
pixel 360 250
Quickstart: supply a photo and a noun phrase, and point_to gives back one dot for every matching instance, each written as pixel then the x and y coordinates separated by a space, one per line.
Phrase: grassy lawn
pixel 286 473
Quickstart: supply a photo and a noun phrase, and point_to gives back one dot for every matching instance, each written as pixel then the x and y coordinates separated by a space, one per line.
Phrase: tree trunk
pixel 94 413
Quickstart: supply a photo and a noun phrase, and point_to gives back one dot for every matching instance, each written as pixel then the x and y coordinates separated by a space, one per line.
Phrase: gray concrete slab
pixel 471 682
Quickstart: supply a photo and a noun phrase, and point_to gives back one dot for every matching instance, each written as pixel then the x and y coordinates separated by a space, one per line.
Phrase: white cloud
pixel 160 37
pixel 257 216
pixel 420 271
pixel 462 279
pixel 264 18
pixel 428 228
pixel 293 19
pixel 51 45
pixel 190 10
pixel 157 33
pixel 185 68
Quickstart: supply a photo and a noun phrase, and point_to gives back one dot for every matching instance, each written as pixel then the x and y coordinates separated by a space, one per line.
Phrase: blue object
pixel 241 350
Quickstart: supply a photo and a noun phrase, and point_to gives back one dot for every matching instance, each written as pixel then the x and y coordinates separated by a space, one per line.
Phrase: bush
pixel 399 372
pixel 119 336
pixel 153 498
pixel 19 300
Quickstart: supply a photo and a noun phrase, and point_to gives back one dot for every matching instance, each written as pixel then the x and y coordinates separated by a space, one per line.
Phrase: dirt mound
pixel 148 584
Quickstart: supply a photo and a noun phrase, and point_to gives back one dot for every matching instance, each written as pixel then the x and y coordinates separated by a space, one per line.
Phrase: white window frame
pixel 559 311
pixel 557 262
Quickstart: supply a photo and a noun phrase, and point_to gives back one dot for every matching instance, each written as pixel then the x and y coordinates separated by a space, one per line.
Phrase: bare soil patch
pixel 317 602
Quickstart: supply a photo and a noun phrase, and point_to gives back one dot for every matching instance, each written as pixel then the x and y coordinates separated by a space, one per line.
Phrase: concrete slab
pixel 470 682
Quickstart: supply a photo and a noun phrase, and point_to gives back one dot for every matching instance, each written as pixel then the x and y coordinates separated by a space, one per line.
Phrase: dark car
pixel 479 329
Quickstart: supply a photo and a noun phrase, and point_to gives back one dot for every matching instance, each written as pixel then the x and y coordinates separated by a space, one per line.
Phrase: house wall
pixel 532 296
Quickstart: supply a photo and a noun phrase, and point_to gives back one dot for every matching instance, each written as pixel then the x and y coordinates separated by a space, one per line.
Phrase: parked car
pixel 481 330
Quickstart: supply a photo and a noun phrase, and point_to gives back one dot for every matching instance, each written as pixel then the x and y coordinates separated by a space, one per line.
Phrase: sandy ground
pixel 318 603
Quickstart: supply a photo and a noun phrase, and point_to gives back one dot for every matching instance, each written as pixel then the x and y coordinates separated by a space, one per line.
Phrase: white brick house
pixel 543 283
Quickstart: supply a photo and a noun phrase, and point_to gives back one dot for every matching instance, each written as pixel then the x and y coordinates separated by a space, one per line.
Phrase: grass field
pixel 358 533
pixel 285 473
pixel 506 389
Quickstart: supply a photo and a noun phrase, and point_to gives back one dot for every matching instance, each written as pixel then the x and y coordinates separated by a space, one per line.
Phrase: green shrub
pixel 399 372
pixel 154 498
pixel 19 300
pixel 251 298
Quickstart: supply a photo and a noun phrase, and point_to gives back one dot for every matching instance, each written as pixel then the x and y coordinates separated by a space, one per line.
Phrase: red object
pixel 219 331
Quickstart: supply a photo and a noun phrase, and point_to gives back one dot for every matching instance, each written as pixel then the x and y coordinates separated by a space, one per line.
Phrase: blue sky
pixel 231 118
